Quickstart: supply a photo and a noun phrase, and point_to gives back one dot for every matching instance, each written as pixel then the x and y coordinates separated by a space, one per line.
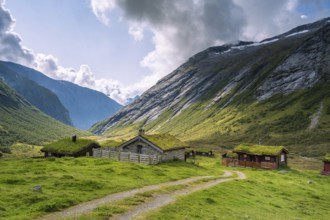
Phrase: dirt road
pixel 159 200
pixel 164 199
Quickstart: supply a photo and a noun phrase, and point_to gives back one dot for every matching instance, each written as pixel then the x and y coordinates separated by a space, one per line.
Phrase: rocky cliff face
pixel 224 76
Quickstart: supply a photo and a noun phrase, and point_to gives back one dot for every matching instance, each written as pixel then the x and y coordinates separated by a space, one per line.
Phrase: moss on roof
pixel 111 143
pixel 165 141
pixel 327 158
pixel 231 154
pixel 67 146
pixel 259 149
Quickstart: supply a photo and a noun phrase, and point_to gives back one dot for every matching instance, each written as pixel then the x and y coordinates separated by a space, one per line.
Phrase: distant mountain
pixel 22 122
pixel 37 95
pixel 276 92
pixel 85 106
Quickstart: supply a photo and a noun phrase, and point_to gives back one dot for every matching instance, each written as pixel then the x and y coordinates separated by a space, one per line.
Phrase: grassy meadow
pixel 285 194
pixel 70 181
pixel 288 194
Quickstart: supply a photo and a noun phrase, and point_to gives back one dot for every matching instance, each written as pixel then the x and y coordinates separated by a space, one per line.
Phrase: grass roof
pixel 67 146
pixel 165 141
pixel 327 158
pixel 259 149
pixel 111 143
pixel 231 154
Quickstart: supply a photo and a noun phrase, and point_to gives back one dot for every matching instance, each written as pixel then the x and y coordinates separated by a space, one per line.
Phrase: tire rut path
pixel 164 199
pixel 86 207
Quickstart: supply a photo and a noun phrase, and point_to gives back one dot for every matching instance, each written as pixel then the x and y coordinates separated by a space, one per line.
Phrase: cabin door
pixel 139 149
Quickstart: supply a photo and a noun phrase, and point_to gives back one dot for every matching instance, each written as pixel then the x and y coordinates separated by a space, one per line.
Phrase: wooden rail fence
pixel 127 156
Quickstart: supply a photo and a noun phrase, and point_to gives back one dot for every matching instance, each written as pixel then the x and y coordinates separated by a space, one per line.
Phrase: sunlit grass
pixel 70 181
pixel 288 194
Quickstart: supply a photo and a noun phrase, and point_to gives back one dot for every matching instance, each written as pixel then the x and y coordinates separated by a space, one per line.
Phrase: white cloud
pixel 180 29
pixel 136 31
pixel 101 8
pixel 48 64
pixel 11 49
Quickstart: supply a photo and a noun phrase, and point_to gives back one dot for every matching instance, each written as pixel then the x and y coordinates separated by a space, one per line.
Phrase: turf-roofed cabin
pixel 268 157
pixel 71 147
pixel 326 169
pixel 165 145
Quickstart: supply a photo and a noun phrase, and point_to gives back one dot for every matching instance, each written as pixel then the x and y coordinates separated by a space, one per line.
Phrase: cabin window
pixel 267 158
pixel 282 157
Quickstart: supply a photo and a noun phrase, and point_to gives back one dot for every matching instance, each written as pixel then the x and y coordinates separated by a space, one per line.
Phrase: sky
pixel 123 47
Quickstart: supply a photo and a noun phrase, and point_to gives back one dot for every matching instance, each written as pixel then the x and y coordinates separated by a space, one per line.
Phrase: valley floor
pixel 157 202
pixel 66 182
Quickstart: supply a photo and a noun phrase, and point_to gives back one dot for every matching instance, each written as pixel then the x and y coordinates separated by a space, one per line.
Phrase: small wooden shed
pixel 267 157
pixel 326 168
pixel 166 145
pixel 72 147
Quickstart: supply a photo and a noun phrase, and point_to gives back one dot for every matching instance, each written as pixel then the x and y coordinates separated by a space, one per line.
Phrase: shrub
pixel 5 150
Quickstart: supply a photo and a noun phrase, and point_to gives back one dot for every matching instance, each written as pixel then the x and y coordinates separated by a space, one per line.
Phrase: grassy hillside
pixel 39 96
pixel 281 120
pixel 85 106
pixel 21 122
pixel 212 99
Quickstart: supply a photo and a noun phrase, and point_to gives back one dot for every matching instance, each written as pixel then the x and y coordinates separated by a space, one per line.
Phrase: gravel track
pixel 164 199
pixel 89 206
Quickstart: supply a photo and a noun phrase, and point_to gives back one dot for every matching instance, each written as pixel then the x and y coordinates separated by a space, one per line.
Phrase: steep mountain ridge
pixel 222 94
pixel 22 122
pixel 39 96
pixel 85 106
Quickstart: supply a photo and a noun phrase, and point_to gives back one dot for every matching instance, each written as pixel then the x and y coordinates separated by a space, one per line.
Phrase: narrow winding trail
pixel 164 199
pixel 159 200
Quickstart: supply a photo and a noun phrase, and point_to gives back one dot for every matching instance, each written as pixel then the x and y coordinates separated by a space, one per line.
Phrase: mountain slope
pixel 85 106
pixel 37 95
pixel 246 92
pixel 22 122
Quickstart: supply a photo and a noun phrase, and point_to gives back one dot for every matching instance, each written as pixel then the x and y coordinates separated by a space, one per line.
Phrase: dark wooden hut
pixel 257 156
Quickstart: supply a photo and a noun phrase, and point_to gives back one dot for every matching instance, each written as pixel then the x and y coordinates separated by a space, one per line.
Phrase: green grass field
pixel 265 194
pixel 286 194
pixel 70 181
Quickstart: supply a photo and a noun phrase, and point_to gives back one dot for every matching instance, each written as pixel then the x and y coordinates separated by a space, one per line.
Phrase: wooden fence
pixel 127 156
pixel 235 162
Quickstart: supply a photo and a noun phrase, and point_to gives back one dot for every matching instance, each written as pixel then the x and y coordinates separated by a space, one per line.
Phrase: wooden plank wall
pixel 235 162
pixel 127 156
